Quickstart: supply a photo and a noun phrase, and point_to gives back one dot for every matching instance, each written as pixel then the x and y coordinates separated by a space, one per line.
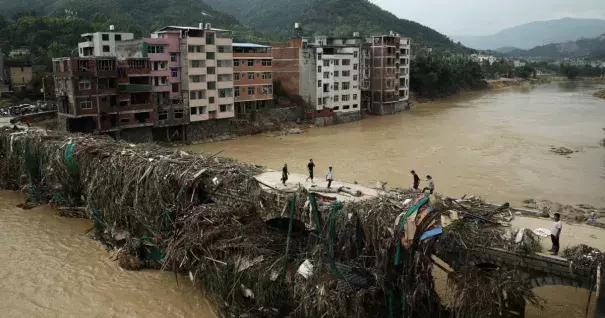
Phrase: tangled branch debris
pixel 583 255
pixel 260 253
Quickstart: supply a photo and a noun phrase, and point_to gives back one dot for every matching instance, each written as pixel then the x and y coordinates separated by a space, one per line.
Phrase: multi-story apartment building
pixel 96 95
pixel 286 66
pixel 102 44
pixel 206 71
pixel 389 73
pixel 252 77
pixel 330 74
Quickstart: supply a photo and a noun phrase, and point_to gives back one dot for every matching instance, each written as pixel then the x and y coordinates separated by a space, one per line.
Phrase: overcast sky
pixel 483 17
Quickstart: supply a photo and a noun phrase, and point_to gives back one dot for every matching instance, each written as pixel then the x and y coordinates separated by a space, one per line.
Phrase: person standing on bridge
pixel 416 180
pixel 555 233
pixel 329 177
pixel 310 166
pixel 284 174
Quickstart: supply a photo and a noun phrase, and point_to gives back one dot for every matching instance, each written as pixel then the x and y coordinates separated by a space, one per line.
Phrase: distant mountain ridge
pixel 330 17
pixel 530 35
pixel 593 49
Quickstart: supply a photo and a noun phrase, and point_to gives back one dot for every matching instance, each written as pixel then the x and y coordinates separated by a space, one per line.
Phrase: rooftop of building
pixel 250 45
pixel 167 28
pixel 84 58
pixel 106 32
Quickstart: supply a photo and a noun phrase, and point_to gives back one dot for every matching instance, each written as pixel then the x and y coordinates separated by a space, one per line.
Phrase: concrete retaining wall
pixel 35 117
pixel 137 135
pixel 341 118
pixel 391 108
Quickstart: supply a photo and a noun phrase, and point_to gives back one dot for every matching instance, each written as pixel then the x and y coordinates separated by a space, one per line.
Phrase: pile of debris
pixel 584 256
pixel 578 213
pixel 257 252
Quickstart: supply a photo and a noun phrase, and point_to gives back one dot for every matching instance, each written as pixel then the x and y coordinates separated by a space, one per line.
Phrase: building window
pixel 319 84
pixel 319 56
pixel 211 100
pixel 175 88
pixel 355 67
pixel 174 72
pixel 203 110
pixel 225 108
pixel 105 37
pixel 326 75
pixel 224 49
pixel 326 62
pixel 319 101
pixel 336 62
pixel 193 95
pixel 195 49
pixel 117 37
pixel 198 63
pixel 346 73
pixel 335 108
pixel 355 105
pixel 236 63
pixel 178 114
pixel 266 75
pixel 236 77
pixel 210 38
pixel 336 99
pixel 224 63
pixel 173 57
pixel 354 77
pixel 224 92
pixel 319 69
pixel 236 90
pixel 155 49
pixel 211 85
pixel 250 62
pixel 355 54
pixel 267 63
pixel 163 115
pixel 346 107
pixel 266 89
pixel 106 48
pixel 86 105
pixel 84 85
pixel 194 110
pixel 196 78
pixel 346 85
pixel 250 91
pixel 336 73
pixel 345 98
pixel 210 56
pixel 211 70
pixel 251 76
pixel 159 65
pixel 336 86
pixel 346 62
pixel 354 96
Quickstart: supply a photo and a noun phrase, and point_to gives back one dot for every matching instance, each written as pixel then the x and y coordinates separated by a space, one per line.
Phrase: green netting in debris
pixel 69 151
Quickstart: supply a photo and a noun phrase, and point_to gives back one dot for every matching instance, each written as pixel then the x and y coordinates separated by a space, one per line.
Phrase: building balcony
pixel 86 44
pixel 134 88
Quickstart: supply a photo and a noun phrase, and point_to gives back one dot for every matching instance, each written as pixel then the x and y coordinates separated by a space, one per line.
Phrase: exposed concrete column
pixel 600 312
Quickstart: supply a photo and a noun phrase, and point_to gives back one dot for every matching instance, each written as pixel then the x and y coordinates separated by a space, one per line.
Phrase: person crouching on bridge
pixel 555 233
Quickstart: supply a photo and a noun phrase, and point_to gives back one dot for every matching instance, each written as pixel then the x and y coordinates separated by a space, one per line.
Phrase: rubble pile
pixel 584 256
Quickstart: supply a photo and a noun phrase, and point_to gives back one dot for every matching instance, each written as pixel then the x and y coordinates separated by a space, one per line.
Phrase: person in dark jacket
pixel 284 174
pixel 416 179
pixel 310 167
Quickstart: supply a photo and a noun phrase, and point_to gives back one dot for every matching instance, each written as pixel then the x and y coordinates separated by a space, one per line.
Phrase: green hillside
pixel 330 17
pixel 593 48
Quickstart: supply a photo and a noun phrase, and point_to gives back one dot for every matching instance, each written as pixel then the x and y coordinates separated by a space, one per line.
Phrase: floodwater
pixel 495 144
pixel 50 269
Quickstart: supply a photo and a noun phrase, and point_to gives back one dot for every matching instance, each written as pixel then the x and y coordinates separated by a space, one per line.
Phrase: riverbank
pixel 599 94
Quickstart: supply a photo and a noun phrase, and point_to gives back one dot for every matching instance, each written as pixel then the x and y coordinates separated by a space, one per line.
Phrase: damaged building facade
pixel 339 77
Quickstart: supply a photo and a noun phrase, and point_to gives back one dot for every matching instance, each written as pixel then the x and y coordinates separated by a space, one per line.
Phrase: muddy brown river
pixel 495 144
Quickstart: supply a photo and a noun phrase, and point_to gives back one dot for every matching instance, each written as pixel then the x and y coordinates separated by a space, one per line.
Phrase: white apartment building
pixel 101 44
pixel 330 73
pixel 207 71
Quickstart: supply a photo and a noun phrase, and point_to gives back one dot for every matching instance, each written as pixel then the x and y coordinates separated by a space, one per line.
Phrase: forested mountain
pixel 330 17
pixel 534 34
pixel 593 48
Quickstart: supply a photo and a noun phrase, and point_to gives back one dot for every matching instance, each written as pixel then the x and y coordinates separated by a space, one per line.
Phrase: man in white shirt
pixel 329 177
pixel 555 233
